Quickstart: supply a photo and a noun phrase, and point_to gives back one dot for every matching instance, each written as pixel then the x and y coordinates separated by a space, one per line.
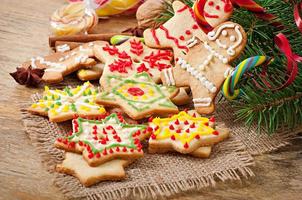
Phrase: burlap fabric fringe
pixel 158 175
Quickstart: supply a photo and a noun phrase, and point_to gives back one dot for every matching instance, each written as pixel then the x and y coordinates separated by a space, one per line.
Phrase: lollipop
pixel 228 88
pixel 72 19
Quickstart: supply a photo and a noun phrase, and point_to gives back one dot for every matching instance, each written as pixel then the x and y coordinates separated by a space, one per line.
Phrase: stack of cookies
pixel 146 78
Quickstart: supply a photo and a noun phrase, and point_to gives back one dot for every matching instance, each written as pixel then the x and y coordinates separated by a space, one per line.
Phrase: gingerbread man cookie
pixel 207 65
pixel 138 95
pixel 132 57
pixel 180 32
pixel 184 133
pixel 75 165
pixel 62 105
pixel 61 64
pixel 105 140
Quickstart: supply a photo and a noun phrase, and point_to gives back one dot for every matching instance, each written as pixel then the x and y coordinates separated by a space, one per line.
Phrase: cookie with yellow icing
pixel 62 105
pixel 184 133
pixel 138 96
pixel 105 140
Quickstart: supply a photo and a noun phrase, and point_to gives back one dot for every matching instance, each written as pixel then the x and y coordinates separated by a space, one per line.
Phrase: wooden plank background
pixel 24 33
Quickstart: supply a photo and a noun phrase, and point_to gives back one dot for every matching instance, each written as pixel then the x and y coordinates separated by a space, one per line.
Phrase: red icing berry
pixel 197 137
pixel 186 122
pixel 156 128
pixel 150 119
pixel 149 129
pixel 195 26
pixel 117 149
pixel 206 123
pixel 72 144
pixel 104 132
pixel 192 125
pixel 95 127
pixel 124 149
pixel 94 132
pixel 153 136
pixel 65 141
pixel 211 3
pixel 194 115
pixel 110 150
pixel 182 37
pixel 136 141
pixel 95 138
pixel 188 32
pixel 131 150
pixel 88 148
pixel 109 127
pixel 135 91
pixel 59 140
pixel 188 130
pixel 103 141
pixel 186 145
pixel 212 119
pixel 171 127
pixel 98 155
pixel 215 133
pixel 217 7
pixel 90 155
pixel 173 137
pixel 176 122
pixel 178 131
pixel 80 143
pixel 105 152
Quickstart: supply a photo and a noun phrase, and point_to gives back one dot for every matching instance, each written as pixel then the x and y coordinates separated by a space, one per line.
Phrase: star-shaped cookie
pixel 62 105
pixel 138 96
pixel 105 140
pixel 75 165
pixel 132 57
pixel 184 133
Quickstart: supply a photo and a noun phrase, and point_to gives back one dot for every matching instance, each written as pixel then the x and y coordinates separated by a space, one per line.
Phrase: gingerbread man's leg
pixel 175 76
pixel 202 98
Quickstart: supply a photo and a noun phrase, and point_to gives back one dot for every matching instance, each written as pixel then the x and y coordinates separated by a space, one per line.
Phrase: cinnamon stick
pixel 82 38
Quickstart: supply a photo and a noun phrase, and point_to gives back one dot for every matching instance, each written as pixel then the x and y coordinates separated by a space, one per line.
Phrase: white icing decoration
pixel 227 72
pixel 202 102
pixel 216 54
pixel 232 38
pixel 192 42
pixel 224 33
pixel 52 65
pixel 63 48
pixel 204 81
pixel 169 76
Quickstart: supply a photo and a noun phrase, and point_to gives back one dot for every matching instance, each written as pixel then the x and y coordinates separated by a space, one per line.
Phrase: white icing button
pixel 225 60
pixel 213 89
pixel 232 38
pixel 224 33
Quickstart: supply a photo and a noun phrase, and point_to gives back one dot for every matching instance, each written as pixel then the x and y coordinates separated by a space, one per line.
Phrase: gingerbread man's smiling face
pixel 217 11
pixel 228 39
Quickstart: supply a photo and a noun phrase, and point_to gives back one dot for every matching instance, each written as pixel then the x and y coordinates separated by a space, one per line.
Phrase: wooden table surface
pixel 23 34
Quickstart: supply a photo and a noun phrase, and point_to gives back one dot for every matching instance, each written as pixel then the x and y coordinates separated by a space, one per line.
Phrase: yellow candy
pixel 46 88
pixel 85 108
pixel 144 97
pixel 102 110
pixel 65 108
pixel 53 112
pixel 34 105
pixel 114 7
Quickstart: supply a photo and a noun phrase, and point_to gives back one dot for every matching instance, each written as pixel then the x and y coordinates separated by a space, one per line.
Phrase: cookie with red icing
pixel 180 32
pixel 207 64
pixel 105 140
pixel 185 133
pixel 131 57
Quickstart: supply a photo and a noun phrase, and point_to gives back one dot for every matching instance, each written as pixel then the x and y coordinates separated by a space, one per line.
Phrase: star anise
pixel 28 76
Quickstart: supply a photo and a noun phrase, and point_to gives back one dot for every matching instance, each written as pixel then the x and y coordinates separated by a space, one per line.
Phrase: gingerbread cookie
pixel 61 64
pixel 62 105
pixel 206 66
pixel 132 57
pixel 75 165
pixel 184 133
pixel 138 95
pixel 105 140
pixel 180 32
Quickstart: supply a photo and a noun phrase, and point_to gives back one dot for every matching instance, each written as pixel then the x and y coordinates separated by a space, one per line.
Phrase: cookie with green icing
pixel 138 96
pixel 105 140
pixel 62 105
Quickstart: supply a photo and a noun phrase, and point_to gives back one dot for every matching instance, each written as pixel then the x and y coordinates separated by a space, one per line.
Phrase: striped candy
pixel 228 88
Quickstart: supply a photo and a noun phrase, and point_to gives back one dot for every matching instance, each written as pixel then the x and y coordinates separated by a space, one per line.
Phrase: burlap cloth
pixel 160 175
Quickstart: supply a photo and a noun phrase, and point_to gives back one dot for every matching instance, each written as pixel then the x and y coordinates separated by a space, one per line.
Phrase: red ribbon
pixel 292 66
pixel 297 17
